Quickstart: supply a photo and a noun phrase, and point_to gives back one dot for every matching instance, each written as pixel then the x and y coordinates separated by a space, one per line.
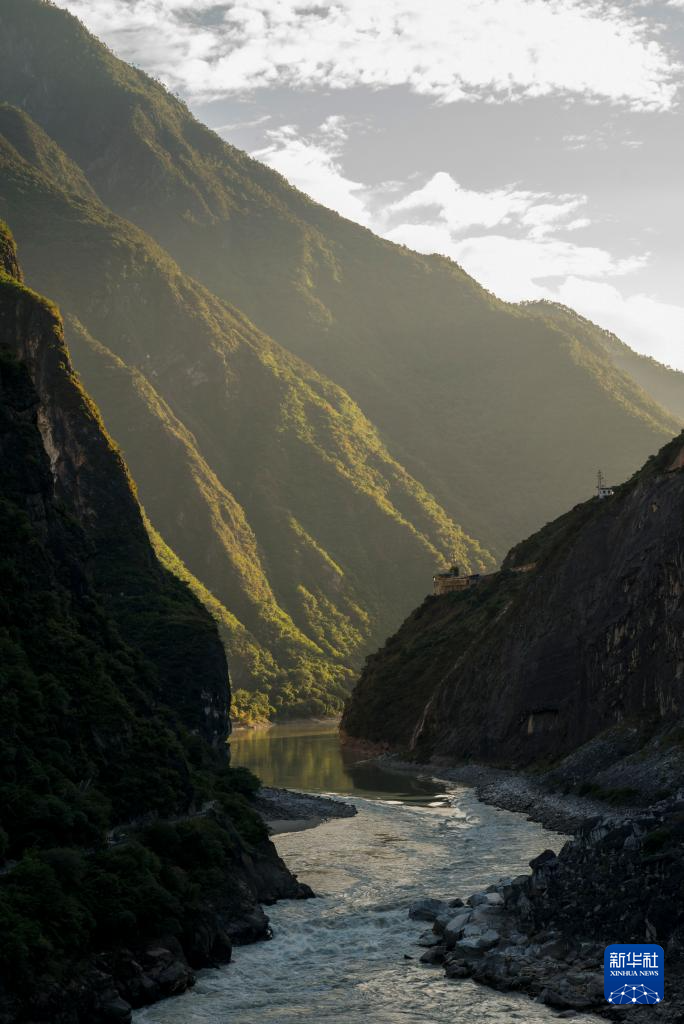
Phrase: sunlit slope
pixel 502 414
pixel 662 383
pixel 261 475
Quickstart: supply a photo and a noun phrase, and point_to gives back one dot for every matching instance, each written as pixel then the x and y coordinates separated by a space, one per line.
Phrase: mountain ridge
pixel 378 377
pixel 126 300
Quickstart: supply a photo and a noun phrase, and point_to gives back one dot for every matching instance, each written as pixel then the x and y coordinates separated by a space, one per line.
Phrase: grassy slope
pixel 416 342
pixel 263 477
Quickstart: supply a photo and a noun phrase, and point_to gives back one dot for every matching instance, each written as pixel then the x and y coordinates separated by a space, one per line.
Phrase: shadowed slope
pixel 499 412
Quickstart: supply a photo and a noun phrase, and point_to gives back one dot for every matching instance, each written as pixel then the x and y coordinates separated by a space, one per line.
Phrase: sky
pixel 539 143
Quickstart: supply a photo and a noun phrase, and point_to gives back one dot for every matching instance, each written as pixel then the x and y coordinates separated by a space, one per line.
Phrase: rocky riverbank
pixel 533 795
pixel 113 984
pixel 285 810
pixel 619 880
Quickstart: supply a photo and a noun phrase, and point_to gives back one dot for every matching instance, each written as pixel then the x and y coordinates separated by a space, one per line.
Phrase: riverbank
pixel 515 791
pixel 284 810
pixel 525 794
pixel 545 933
pixel 618 879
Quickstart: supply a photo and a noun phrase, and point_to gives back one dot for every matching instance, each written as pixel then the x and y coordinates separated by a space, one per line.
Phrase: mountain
pixel 129 850
pixel 378 413
pixel 662 383
pixel 262 477
pixel 418 344
pixel 570 657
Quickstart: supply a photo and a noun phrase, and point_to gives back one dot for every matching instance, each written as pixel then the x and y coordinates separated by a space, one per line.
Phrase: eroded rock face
pixel 90 480
pixel 533 665
pixel 545 933
pixel 595 638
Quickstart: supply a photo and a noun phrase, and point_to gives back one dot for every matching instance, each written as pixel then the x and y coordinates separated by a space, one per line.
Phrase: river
pixel 342 958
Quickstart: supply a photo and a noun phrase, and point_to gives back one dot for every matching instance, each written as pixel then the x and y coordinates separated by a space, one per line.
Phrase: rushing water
pixel 344 957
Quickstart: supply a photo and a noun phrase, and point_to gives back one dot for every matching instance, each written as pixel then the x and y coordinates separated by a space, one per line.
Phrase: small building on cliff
pixel 453 579
pixel 602 488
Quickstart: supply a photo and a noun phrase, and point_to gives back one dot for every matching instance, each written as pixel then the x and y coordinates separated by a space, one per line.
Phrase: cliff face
pixel 311 482
pixel 122 825
pixel 90 480
pixel 531 666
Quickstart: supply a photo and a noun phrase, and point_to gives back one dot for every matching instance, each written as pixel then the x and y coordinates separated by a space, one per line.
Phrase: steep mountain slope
pixel 262 476
pixel 530 666
pixel 113 712
pixel 662 383
pixel 414 340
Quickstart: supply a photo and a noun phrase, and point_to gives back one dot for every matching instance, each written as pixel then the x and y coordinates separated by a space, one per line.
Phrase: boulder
pixel 476 899
pixel 116 1010
pixel 426 909
pixel 486 915
pixel 455 926
pixel 478 943
pixel 433 956
pixel 545 860
pixel 448 915
pixel 457 969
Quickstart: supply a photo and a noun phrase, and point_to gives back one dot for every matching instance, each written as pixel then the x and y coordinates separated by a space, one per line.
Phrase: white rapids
pixel 350 956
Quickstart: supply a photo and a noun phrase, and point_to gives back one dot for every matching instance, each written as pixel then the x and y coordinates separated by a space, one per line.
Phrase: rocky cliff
pixel 618 880
pixel 313 478
pixel 129 849
pixel 583 653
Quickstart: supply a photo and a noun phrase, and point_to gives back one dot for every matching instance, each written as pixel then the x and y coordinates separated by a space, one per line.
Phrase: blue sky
pixel 539 143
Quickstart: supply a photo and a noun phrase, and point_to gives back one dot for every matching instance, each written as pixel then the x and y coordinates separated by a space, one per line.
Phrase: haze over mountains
pixel 378 413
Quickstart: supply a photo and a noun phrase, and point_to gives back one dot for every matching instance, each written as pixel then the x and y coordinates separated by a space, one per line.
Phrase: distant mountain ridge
pixel 663 383
pixel 401 416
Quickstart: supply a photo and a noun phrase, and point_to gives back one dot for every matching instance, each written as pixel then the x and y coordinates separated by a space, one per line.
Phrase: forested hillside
pixel 121 821
pixel 262 476
pixel 393 415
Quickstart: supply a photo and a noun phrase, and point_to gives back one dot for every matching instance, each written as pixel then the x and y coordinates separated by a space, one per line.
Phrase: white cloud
pixel 313 165
pixel 445 49
pixel 527 268
pixel 516 268
pixel 460 208
pixel 648 325
pixel 514 241
pixel 239 125
pixel 531 263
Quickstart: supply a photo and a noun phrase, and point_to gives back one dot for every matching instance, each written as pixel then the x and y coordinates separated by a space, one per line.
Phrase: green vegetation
pixel 398 681
pixel 400 417
pixel 662 383
pixel 527 667
pixel 101 724
pixel 301 534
